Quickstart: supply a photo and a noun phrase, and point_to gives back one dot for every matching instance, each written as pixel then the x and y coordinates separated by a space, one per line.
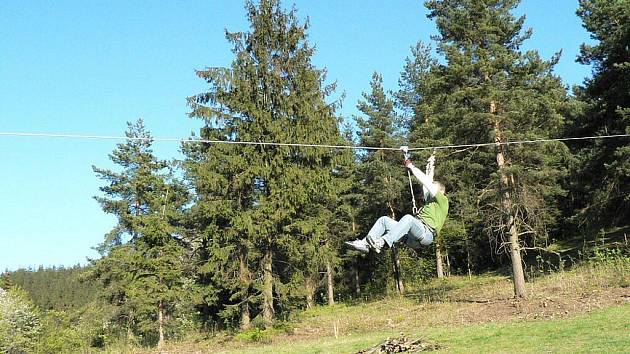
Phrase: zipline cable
pixel 263 143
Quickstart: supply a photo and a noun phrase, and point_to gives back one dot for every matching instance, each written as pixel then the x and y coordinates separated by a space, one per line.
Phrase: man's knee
pixel 407 218
pixel 427 239
pixel 384 220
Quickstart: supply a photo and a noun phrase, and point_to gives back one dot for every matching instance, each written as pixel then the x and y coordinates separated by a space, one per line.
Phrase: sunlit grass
pixel 604 331
pixel 569 311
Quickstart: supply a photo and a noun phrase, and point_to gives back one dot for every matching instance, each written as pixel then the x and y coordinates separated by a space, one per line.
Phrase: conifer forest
pixel 247 229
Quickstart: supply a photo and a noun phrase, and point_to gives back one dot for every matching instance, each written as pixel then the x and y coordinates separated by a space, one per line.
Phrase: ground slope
pixel 586 309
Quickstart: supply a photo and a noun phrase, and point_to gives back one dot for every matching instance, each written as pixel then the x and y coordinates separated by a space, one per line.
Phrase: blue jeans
pixel 418 234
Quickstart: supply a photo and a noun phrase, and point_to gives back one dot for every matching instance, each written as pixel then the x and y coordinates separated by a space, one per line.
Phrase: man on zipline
pixel 417 231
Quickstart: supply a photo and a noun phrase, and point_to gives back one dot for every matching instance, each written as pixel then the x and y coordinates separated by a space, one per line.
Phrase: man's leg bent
pixel 374 238
pixel 408 224
pixel 419 235
pixel 383 225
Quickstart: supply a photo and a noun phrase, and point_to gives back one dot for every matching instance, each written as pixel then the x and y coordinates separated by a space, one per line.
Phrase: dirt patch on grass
pixel 541 306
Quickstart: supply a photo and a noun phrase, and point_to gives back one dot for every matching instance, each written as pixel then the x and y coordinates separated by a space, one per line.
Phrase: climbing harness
pixel 405 150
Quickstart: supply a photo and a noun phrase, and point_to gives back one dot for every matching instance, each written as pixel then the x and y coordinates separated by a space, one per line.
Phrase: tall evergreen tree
pixel 224 254
pixel 418 90
pixel 491 91
pixel 383 178
pixel 142 267
pixel 603 171
pixel 273 93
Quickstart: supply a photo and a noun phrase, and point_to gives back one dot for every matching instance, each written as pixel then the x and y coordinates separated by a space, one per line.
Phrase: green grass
pixel 603 331
pixel 584 309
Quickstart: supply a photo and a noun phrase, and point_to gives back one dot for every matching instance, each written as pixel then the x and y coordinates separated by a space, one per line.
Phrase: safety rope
pixel 413 197
pixel 405 151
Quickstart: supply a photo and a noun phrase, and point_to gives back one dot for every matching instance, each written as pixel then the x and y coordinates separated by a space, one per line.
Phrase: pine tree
pixel 419 87
pixel 383 178
pixel 491 91
pixel 418 83
pixel 142 267
pixel 224 255
pixel 5 280
pixel 273 93
pixel 602 177
pixel 350 207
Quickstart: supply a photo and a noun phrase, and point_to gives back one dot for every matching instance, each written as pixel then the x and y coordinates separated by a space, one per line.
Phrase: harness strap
pixel 413 197
pixel 415 209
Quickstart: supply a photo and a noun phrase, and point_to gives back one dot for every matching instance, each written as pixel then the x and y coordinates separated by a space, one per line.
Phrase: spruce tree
pixel 142 268
pixel 382 173
pixel 273 93
pixel 224 256
pixel 602 177
pixel 5 280
pixel 419 85
pixel 491 91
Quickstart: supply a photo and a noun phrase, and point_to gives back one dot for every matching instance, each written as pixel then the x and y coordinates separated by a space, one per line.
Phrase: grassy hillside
pixel 583 333
pixel 586 309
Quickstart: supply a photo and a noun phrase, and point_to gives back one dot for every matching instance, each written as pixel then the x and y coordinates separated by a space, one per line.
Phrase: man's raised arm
pixel 426 181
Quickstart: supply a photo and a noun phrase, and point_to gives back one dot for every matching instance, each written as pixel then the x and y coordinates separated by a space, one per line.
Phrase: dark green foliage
pixel 5 280
pixel 55 288
pixel 602 178
pixel 383 178
pixel 381 174
pixel 143 265
pixel 267 209
pixel 491 91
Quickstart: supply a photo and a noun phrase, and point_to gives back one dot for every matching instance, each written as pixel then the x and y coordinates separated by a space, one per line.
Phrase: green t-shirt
pixel 434 212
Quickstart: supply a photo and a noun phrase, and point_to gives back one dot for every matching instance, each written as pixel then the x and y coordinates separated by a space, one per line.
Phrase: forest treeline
pixel 54 288
pixel 240 236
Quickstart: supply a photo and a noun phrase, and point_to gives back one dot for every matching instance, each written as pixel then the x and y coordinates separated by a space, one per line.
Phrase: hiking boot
pixel 359 245
pixel 375 244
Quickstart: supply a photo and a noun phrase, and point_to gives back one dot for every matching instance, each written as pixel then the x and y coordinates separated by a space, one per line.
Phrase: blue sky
pixel 90 66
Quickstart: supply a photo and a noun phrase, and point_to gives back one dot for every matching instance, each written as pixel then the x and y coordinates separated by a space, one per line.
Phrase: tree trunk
pixel 400 287
pixel 329 276
pixel 518 276
pixel 267 292
pixel 245 317
pixel 357 283
pixel 468 260
pixel 448 263
pixel 160 344
pixel 517 263
pixel 310 291
pixel 245 279
pixel 438 261
pixel 130 336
